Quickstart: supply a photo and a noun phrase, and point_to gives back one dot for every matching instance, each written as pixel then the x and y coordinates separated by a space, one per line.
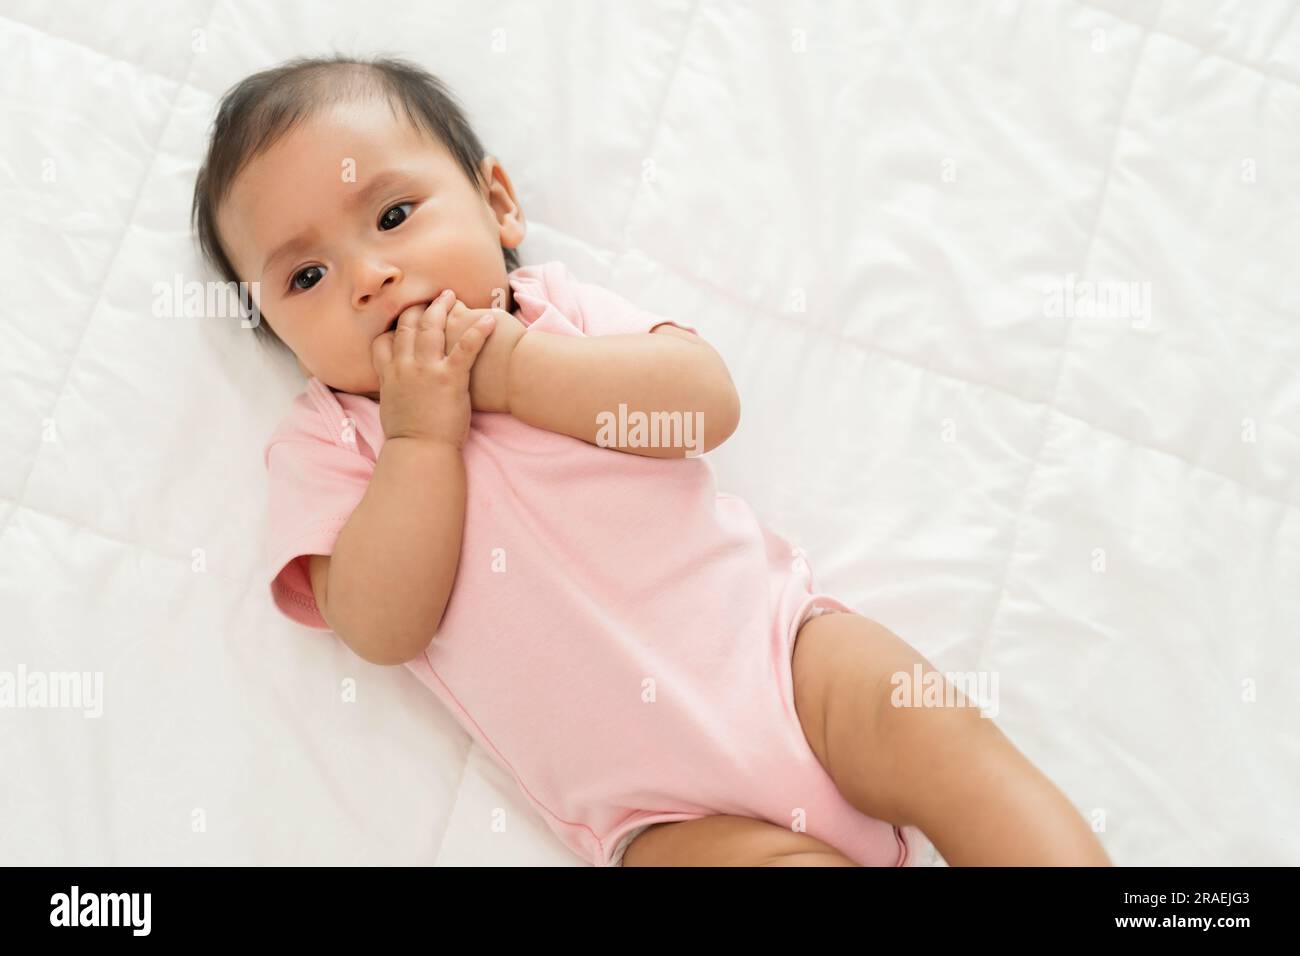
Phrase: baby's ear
pixel 500 196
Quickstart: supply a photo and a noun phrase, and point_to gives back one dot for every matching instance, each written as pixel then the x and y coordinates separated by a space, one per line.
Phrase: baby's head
pixel 349 190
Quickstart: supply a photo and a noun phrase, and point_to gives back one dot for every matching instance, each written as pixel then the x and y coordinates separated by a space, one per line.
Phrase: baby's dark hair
pixel 261 108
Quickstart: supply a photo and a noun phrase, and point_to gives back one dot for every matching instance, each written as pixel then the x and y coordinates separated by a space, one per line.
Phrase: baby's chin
pixel 366 389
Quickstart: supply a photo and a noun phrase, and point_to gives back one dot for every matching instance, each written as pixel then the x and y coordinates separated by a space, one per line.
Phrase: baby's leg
pixel 946 770
pixel 728 841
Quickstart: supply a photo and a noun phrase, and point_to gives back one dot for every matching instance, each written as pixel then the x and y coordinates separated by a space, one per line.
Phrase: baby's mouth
pixel 392 326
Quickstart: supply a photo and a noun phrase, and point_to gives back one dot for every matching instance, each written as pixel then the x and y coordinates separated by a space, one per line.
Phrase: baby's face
pixel 351 217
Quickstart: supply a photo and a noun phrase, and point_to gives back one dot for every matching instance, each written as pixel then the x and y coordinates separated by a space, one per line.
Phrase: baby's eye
pixel 306 278
pixel 395 216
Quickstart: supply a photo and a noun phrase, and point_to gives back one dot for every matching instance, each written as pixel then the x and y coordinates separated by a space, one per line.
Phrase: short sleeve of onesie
pixel 550 299
pixel 315 479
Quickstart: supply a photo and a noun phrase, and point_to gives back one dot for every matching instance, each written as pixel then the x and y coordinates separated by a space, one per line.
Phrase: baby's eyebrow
pixel 381 182
pixel 362 197
pixel 287 247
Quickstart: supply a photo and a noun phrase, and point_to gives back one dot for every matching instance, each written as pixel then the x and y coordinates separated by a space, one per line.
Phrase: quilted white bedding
pixel 1008 290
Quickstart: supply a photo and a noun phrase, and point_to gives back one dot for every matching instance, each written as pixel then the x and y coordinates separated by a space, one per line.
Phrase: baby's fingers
pixel 381 352
pixel 467 349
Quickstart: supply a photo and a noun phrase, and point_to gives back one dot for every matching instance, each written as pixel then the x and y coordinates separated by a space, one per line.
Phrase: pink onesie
pixel 619 633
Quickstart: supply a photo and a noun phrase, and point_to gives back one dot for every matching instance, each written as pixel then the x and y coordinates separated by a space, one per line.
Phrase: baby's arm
pixel 384 589
pixel 386 585
pixel 562 383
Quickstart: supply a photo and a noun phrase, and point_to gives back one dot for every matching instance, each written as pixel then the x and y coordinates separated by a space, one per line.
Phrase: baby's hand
pixel 489 385
pixel 422 393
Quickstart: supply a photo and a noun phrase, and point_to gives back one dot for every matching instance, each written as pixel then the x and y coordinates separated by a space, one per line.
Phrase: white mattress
pixel 864 209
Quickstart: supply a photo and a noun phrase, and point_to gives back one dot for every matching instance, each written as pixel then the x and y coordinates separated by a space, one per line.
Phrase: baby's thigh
pixel 723 840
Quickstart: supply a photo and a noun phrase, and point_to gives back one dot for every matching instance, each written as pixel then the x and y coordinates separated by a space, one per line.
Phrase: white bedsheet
pixel 866 210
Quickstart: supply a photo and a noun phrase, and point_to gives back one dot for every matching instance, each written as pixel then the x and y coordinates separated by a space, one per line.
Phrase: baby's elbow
pixel 382 646
pixel 724 420
pixel 392 655
pixel 385 655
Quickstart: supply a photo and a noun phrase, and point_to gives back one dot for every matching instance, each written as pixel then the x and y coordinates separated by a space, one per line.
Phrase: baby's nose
pixel 372 280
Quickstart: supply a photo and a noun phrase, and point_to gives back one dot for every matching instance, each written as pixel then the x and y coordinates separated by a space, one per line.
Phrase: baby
pixel 651 665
